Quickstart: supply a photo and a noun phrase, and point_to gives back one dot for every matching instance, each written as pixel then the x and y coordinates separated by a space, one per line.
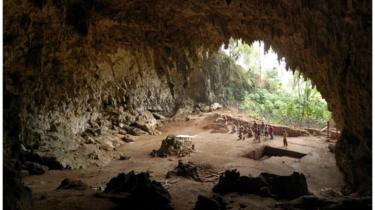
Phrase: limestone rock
pixel 17 196
pixel 137 191
pixel 35 168
pixel 204 203
pixel 267 185
pixel 179 145
pixel 72 184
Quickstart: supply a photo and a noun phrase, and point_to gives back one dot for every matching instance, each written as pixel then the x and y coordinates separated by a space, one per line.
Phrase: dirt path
pixel 223 151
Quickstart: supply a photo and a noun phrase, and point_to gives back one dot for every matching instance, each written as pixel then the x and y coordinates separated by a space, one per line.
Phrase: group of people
pixel 257 130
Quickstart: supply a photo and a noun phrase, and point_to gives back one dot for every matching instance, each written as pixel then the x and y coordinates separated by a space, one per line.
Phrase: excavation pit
pixel 265 152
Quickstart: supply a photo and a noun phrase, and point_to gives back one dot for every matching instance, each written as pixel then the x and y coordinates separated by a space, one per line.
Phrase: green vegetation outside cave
pixel 272 98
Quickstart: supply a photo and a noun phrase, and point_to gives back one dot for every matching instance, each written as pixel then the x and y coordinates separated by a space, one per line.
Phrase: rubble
pixel 16 195
pixel 137 191
pixel 127 138
pixel 34 168
pixel 158 116
pixel 312 202
pixel 72 184
pixel 266 185
pixel 197 172
pixel 204 203
pixel 215 106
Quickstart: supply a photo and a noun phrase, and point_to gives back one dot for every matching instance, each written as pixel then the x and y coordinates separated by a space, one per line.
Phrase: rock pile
pixel 312 202
pixel 137 191
pixel 16 195
pixel 267 185
pixel 204 203
pixel 197 172
pixel 72 184
pixel 180 145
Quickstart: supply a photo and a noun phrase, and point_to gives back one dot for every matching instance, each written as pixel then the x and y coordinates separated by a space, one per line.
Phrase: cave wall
pixel 64 59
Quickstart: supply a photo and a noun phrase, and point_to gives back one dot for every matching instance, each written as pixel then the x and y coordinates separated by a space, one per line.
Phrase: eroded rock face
pixel 66 62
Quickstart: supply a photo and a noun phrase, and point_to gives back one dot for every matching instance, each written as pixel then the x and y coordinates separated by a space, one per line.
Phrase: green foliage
pixel 238 83
pixel 300 104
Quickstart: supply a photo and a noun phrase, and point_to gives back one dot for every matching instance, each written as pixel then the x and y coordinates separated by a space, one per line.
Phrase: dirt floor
pixel 221 150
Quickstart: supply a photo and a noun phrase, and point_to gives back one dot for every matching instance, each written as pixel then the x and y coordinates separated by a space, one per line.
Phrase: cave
pixel 74 71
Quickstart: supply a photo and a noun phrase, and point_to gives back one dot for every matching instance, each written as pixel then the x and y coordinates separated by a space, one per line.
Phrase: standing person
pixel 240 132
pixel 249 131
pixel 270 131
pixel 285 135
pixel 255 125
pixel 262 128
pixel 266 130
pixel 258 133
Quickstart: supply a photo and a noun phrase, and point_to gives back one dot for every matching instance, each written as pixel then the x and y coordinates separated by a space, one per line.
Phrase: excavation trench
pixel 262 153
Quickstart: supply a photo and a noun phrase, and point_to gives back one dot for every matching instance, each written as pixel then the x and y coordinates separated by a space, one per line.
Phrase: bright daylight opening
pixel 277 94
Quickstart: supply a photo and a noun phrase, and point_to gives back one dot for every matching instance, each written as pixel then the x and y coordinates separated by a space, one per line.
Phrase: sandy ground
pixel 223 151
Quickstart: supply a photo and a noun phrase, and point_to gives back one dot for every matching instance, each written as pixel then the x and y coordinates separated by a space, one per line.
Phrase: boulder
pixel 203 107
pixel 147 122
pixel 127 138
pixel 311 202
pixel 72 184
pixel 16 195
pixel 267 185
pixel 50 161
pixel 179 145
pixel 204 203
pixel 35 168
pixel 197 172
pixel 137 191
pixel 134 131
pixel 215 106
pixel 158 116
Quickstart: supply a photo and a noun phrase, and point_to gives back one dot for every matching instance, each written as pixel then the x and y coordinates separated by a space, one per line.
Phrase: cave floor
pixel 222 151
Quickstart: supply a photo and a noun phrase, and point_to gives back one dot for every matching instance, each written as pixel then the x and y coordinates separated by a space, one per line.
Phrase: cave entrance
pixel 276 93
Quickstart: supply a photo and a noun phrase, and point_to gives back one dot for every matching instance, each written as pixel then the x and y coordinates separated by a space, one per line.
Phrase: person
pixel 285 135
pixel 258 133
pixel 266 131
pixel 270 131
pixel 240 132
pixel 248 130
pixel 255 125
pixel 262 128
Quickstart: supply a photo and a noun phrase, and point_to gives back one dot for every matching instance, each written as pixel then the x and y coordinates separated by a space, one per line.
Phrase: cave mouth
pixel 265 152
pixel 277 93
